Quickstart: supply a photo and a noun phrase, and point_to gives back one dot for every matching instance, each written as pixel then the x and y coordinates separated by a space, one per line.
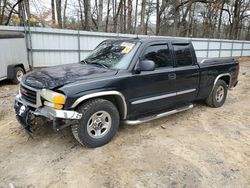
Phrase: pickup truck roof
pixel 152 39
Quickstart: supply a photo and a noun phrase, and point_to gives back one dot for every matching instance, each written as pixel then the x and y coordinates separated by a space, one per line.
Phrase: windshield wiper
pixel 99 64
pixel 96 63
pixel 84 61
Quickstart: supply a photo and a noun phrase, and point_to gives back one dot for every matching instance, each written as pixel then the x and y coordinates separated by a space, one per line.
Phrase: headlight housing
pixel 53 99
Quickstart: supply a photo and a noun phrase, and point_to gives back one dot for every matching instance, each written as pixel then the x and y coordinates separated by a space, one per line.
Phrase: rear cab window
pixel 183 55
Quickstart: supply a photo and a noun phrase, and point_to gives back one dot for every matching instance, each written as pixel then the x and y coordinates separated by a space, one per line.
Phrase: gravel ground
pixel 202 147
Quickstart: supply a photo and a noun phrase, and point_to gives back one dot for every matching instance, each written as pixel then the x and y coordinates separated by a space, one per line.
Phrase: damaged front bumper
pixel 25 113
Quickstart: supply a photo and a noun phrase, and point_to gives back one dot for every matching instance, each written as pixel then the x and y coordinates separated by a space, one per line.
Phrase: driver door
pixel 153 90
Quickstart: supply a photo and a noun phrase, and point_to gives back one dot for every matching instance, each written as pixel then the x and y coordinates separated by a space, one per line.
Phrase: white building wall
pixel 49 47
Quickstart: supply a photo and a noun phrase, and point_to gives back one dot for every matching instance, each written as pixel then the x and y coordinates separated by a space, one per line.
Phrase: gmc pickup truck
pixel 126 80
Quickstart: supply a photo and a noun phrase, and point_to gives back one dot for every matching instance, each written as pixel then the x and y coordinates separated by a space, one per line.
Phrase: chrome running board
pixel 149 118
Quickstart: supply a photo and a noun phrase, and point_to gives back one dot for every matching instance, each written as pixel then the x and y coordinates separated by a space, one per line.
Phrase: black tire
pixel 18 71
pixel 80 131
pixel 212 100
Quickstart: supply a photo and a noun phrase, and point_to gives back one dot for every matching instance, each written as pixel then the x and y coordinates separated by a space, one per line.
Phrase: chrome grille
pixel 28 94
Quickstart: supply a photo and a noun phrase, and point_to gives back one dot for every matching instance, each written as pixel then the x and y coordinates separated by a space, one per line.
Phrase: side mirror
pixel 145 65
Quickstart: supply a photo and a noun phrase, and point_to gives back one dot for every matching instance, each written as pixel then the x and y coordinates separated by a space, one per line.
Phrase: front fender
pixel 118 95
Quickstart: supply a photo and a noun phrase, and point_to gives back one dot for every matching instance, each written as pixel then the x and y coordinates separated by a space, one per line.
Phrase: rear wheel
pixel 19 72
pixel 99 123
pixel 219 94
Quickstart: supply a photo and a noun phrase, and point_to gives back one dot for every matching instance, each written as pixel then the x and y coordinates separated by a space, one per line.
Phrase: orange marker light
pixel 59 99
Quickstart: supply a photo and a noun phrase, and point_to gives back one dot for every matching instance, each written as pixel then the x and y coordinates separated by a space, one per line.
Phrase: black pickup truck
pixel 126 80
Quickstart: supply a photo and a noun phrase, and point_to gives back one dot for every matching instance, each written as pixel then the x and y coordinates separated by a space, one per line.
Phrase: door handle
pixel 172 76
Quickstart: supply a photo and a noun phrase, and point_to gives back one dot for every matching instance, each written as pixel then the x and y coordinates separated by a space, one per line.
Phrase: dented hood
pixel 57 76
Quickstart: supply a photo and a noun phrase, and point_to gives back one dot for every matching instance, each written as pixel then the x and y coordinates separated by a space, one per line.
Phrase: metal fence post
pixel 232 47
pixel 27 45
pixel 28 39
pixel 208 41
pixel 242 48
pixel 220 48
pixel 31 48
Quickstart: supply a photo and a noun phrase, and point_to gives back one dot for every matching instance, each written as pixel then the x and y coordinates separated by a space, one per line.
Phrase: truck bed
pixel 215 60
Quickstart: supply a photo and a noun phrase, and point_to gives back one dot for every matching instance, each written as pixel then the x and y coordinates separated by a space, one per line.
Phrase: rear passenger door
pixel 187 72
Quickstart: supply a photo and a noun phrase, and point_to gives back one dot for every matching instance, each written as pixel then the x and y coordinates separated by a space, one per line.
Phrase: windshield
pixel 113 54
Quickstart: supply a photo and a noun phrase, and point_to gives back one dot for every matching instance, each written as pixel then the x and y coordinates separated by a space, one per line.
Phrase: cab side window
pixel 183 54
pixel 160 54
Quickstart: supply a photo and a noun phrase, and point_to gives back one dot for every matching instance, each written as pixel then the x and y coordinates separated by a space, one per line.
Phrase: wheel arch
pixel 115 97
pixel 11 70
pixel 225 77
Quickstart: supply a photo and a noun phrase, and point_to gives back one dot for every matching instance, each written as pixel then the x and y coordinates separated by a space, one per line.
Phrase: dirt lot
pixel 202 147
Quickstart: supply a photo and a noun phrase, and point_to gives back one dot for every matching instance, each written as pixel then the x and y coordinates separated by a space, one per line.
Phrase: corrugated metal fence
pixel 48 47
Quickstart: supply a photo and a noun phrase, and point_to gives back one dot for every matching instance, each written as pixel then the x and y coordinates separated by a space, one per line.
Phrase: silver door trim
pixel 163 96
pixel 154 98
pixel 185 91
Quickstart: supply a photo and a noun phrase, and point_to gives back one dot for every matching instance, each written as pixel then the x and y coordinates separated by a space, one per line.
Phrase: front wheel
pixel 219 94
pixel 99 123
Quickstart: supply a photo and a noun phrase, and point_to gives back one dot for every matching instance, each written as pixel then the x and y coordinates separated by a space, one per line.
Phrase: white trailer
pixel 13 56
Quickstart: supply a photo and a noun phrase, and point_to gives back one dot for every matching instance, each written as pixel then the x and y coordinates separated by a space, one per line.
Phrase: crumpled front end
pixel 31 104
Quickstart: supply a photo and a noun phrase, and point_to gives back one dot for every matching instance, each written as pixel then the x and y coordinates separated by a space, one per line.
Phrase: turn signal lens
pixel 59 99
pixel 57 106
